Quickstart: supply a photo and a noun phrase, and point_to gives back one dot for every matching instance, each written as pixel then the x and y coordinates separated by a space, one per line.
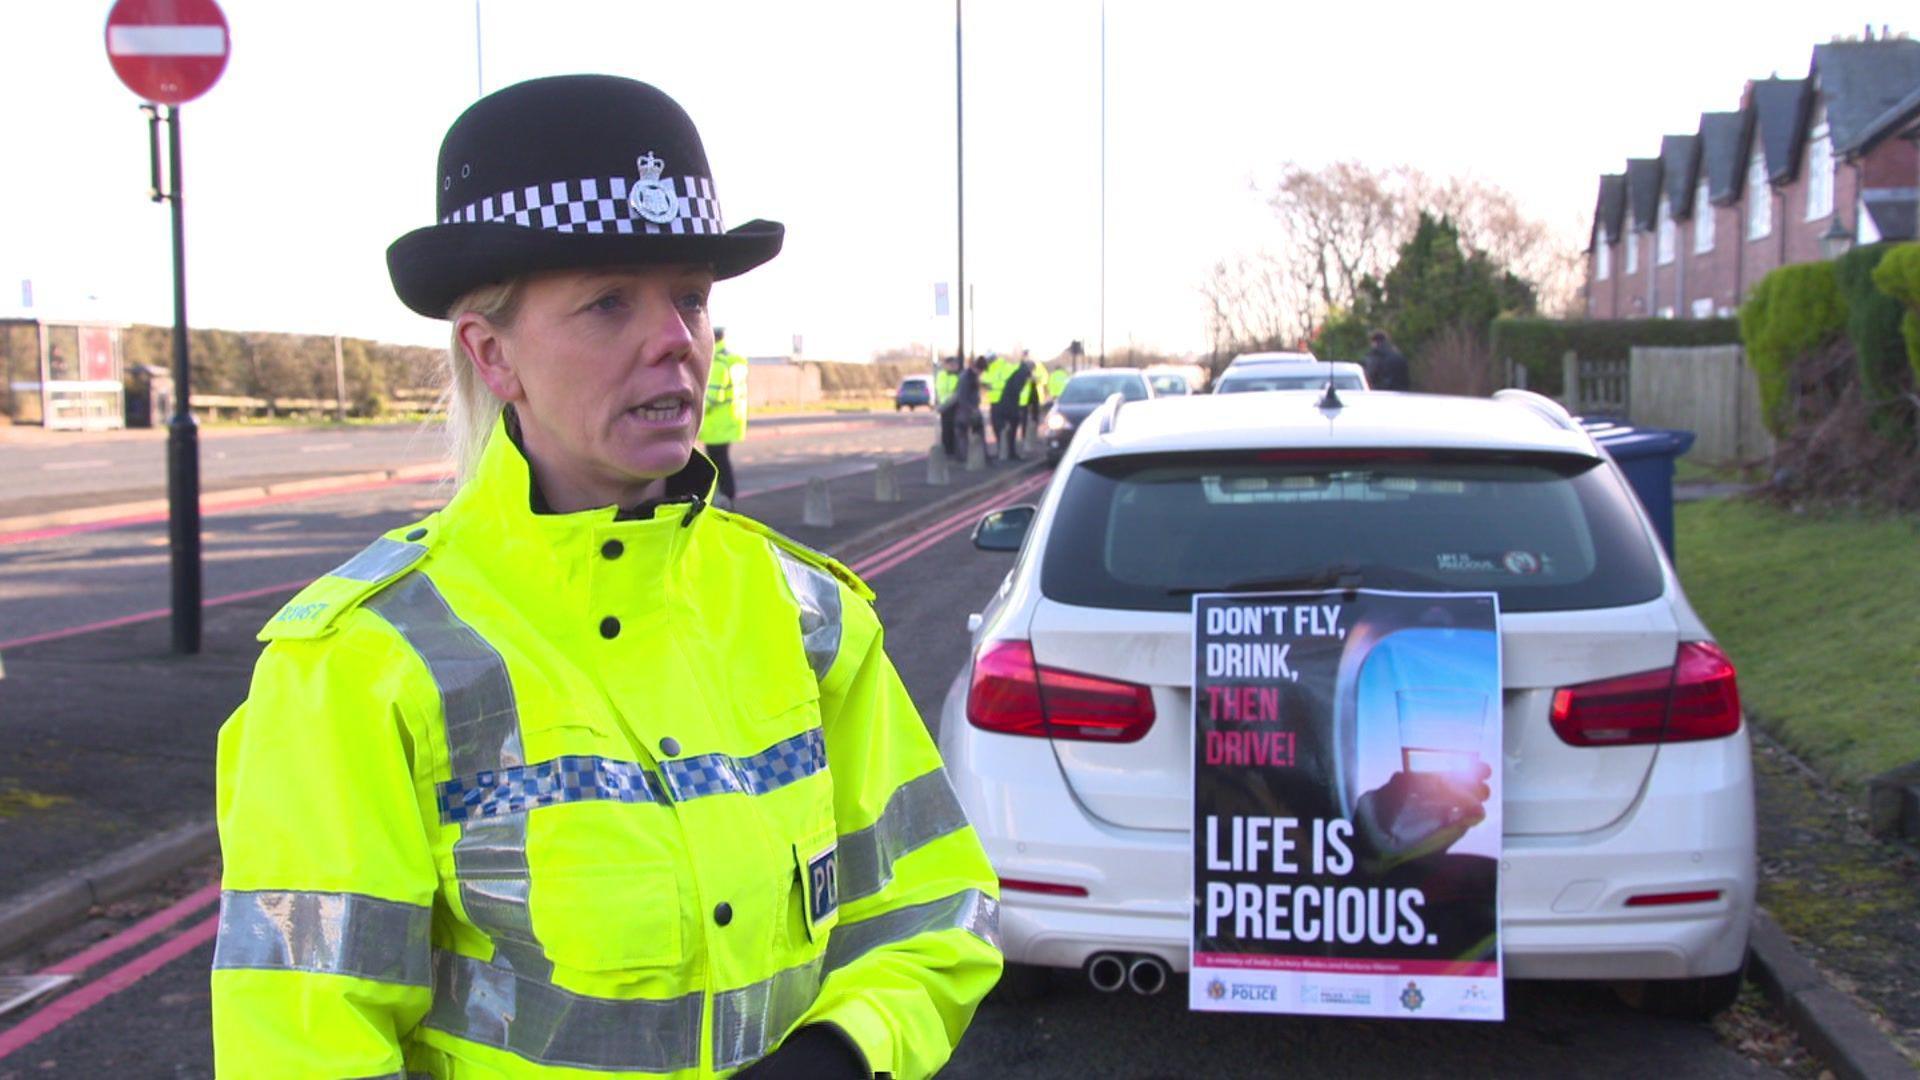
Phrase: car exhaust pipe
pixel 1107 972
pixel 1147 975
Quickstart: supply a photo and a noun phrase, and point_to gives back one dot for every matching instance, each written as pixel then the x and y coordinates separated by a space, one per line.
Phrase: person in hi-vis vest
pixel 582 775
pixel 725 422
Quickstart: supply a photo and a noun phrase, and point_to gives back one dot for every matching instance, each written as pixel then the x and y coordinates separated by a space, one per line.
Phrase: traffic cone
pixel 886 486
pixel 818 511
pixel 937 474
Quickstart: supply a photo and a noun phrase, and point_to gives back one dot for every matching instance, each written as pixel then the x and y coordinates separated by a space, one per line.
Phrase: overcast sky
pixel 317 148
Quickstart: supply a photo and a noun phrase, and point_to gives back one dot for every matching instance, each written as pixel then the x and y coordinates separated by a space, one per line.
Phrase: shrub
pixel 1539 344
pixel 1791 312
pixel 1873 325
pixel 1898 275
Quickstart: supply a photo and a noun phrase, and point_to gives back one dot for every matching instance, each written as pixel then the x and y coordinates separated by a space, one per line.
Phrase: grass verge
pixel 1820 612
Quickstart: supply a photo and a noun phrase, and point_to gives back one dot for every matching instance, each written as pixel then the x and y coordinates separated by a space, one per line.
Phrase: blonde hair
pixel 472 410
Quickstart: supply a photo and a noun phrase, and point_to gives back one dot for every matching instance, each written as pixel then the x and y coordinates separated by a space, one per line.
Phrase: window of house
pixel 1759 198
pixel 1663 243
pixel 1633 246
pixel 1702 220
pixel 1603 257
pixel 1703 308
pixel 1819 173
pixel 1864 224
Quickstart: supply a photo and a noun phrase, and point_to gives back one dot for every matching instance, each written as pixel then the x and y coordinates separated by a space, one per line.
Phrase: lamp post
pixel 1837 240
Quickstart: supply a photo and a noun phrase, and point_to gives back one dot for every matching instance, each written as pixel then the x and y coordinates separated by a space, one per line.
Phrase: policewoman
pixel 581 775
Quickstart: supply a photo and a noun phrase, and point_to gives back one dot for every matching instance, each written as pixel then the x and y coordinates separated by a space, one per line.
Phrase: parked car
pixel 1628 820
pixel 1240 378
pixel 915 391
pixel 1083 393
pixel 1168 384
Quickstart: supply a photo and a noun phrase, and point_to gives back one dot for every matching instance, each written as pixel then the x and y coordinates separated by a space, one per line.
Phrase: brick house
pixel 1803 169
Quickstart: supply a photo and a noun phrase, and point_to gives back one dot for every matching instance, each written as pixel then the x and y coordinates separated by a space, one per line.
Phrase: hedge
pixel 1898 275
pixel 1539 343
pixel 1873 325
pixel 1790 312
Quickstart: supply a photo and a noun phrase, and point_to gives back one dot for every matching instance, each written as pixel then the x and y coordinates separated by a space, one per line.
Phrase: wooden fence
pixel 1708 390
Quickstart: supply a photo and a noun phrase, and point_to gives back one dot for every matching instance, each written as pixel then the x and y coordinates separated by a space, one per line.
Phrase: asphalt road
pixel 79 578
pixel 58 470
pixel 158 1026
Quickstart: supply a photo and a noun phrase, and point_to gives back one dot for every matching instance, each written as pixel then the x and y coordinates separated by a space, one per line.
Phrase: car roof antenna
pixel 1330 401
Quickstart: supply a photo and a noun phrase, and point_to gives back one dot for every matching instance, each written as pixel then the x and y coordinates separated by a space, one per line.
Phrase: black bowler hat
pixel 565 173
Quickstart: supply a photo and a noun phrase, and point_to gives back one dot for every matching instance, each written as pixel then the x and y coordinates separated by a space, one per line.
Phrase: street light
pixel 1836 241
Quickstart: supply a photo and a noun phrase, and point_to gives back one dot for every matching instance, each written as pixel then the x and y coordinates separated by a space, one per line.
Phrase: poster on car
pixel 1346 804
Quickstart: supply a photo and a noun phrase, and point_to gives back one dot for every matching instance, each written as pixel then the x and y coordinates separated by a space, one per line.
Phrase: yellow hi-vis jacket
pixel 1057 382
pixel 519 794
pixel 945 385
pixel 993 381
pixel 726 416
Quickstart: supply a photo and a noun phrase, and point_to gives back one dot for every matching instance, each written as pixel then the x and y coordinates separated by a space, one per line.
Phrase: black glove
pixel 814 1052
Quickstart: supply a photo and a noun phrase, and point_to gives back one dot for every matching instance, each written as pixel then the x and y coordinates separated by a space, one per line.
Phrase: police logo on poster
pixel 1347 804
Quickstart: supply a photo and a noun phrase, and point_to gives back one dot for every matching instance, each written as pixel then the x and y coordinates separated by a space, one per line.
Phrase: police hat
pixel 569 172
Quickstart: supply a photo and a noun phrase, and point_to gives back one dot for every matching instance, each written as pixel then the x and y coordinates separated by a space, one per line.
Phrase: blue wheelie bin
pixel 1646 455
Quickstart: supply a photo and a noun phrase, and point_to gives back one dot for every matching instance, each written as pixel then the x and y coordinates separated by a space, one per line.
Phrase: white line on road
pixel 315 448
pixel 62 466
pixel 273 526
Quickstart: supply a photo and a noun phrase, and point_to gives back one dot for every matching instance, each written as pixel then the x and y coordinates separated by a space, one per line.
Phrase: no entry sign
pixel 167 51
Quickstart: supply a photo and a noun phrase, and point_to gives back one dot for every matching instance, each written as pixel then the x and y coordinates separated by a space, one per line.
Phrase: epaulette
pixel 802 552
pixel 318 609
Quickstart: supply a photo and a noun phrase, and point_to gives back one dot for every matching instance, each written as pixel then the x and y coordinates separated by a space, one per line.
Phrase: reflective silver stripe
pixel 379 561
pixel 491 1005
pixel 483 735
pixel 775 767
pixel 973 911
pixel 818 594
pixel 750 1021
pixel 328 933
pixel 920 811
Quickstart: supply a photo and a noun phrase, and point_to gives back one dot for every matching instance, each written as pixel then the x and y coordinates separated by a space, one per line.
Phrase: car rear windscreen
pixel 1098 388
pixel 1546 532
pixel 1233 384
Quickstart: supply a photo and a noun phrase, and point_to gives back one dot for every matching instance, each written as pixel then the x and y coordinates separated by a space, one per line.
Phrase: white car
pixel 1246 376
pixel 1628 850
pixel 1287 356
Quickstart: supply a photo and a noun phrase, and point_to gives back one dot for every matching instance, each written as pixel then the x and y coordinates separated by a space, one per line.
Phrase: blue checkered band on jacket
pixel 597 206
pixel 575 778
pixel 775 767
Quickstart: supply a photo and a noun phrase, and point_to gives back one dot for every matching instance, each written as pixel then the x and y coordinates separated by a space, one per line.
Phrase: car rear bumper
pixel 1564 911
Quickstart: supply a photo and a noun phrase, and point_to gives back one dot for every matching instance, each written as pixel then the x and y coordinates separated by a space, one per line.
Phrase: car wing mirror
pixel 1004 529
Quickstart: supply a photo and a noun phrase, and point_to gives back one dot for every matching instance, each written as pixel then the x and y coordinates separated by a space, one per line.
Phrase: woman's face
pixel 607 370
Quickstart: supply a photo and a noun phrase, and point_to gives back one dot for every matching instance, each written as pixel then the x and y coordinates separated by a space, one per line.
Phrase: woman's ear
pixel 486 348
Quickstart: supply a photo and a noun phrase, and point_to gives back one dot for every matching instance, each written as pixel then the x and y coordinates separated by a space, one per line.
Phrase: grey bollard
pixel 976 453
pixel 937 474
pixel 818 511
pixel 886 486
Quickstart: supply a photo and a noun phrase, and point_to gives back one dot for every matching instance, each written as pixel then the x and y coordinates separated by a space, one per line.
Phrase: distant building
pixel 1803 170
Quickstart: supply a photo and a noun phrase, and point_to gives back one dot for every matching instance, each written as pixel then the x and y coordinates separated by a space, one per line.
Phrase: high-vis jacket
pixel 726 417
pixel 1057 382
pixel 519 793
pixel 945 384
pixel 994 379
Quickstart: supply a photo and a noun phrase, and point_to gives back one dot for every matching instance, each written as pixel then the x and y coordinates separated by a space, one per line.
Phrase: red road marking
pixel 147 616
pixel 894 554
pixel 133 935
pixel 210 505
pixel 62 1009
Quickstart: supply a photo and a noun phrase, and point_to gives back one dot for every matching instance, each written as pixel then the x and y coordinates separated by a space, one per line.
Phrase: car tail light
pixel 1696 698
pixel 1697 896
pixel 1013 695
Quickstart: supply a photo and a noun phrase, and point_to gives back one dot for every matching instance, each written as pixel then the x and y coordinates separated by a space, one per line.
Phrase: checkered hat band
pixel 575 778
pixel 598 206
pixel 775 767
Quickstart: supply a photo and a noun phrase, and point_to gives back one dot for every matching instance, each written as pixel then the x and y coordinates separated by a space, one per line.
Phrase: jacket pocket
pixel 605 893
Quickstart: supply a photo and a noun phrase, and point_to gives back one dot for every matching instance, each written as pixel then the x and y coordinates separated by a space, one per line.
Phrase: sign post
pixel 1347 804
pixel 170 52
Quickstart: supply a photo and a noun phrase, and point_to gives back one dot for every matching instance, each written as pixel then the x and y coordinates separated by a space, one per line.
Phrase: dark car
pixel 1083 394
pixel 915 391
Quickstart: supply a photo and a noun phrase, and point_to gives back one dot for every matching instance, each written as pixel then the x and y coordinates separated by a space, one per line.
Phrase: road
pixel 81 577
pixel 158 1026
pixel 58 470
